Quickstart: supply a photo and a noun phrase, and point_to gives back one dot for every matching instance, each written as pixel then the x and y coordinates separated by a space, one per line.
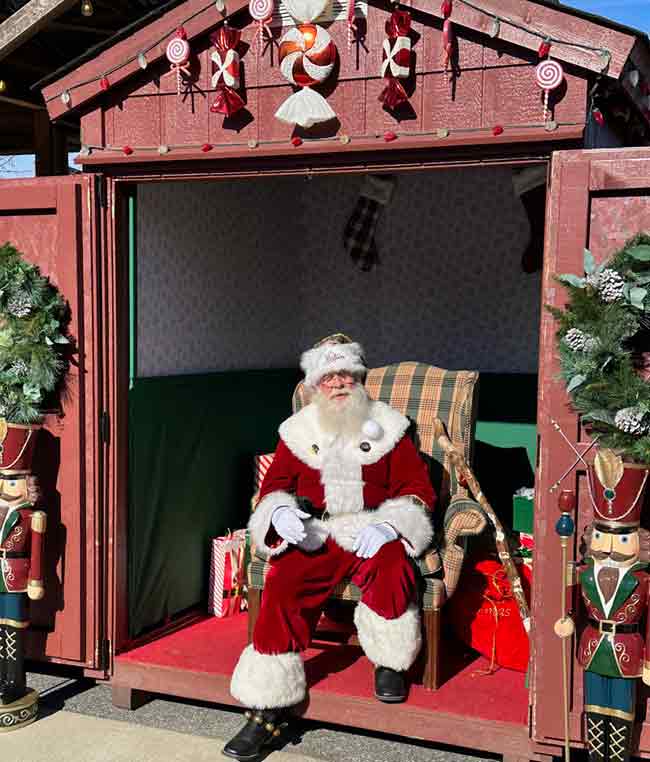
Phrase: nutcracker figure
pixel 614 647
pixel 22 531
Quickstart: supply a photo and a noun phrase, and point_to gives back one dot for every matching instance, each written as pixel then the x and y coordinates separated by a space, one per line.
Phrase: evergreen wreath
pixel 603 334
pixel 32 319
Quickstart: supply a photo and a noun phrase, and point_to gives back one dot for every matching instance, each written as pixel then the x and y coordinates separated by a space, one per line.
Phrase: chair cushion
pixel 433 594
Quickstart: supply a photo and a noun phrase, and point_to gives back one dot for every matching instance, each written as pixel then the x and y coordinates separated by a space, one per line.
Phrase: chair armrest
pixel 463 518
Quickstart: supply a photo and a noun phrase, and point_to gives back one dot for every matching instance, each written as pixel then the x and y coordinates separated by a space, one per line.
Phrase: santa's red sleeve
pixel 278 489
pixel 412 498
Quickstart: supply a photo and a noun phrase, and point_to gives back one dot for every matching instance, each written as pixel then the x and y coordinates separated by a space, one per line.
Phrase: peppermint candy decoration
pixel 307 57
pixel 225 71
pixel 548 75
pixel 396 63
pixel 261 10
pixel 178 51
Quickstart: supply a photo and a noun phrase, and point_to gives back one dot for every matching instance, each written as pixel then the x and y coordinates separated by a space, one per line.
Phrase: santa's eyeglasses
pixel 345 378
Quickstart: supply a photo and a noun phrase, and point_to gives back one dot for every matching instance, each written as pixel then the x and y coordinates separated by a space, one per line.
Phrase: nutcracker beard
pixel 343 417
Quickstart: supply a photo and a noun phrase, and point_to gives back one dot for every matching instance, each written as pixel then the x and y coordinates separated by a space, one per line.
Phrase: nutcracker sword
pixel 460 464
pixel 565 528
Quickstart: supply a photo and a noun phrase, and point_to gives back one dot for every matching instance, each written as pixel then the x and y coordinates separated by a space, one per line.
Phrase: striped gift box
pixel 226 591
pixel 262 463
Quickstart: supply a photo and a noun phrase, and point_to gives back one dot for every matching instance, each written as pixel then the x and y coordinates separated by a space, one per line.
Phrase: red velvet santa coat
pixel 350 483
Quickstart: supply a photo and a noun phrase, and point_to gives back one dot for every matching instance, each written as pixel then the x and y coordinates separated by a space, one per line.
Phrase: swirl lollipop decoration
pixel 548 75
pixel 178 55
pixel 261 11
pixel 307 57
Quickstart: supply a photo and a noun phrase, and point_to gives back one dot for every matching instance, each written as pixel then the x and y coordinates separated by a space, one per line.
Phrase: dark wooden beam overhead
pixel 28 21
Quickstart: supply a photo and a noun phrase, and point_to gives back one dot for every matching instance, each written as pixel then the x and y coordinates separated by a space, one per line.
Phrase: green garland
pixel 602 331
pixel 32 319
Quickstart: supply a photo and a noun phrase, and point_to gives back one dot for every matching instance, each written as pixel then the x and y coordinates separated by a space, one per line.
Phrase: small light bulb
pixel 65 97
pixel 495 28
pixel 142 61
pixel 87 8
pixel 3 86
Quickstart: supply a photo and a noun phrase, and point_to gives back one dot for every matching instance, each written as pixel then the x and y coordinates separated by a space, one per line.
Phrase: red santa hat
pixel 333 354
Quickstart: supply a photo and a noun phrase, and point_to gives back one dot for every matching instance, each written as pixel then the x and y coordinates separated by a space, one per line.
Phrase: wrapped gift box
pixel 228 559
pixel 523 506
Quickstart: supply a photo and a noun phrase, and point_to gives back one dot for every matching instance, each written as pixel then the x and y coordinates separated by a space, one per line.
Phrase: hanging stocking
pixel 359 232
pixel 225 71
pixel 396 63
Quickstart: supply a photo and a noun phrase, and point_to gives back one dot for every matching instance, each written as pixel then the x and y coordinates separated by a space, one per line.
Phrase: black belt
pixel 12 554
pixel 609 627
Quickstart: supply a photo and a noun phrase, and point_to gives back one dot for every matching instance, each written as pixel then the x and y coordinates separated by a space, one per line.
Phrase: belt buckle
pixel 607 627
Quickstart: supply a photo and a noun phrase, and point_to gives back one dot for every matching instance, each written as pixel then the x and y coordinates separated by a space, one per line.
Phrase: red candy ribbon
pixel 225 71
pixel 396 59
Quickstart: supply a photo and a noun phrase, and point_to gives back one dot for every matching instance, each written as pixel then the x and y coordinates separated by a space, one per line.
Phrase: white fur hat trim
pixel 332 358
pixel 372 430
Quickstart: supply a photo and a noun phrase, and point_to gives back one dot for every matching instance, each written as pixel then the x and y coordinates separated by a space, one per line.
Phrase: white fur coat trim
pixel 302 431
pixel 268 681
pixel 392 643
pixel 260 520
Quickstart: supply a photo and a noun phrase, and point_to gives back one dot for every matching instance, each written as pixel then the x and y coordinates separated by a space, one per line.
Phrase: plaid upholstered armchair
pixel 423 393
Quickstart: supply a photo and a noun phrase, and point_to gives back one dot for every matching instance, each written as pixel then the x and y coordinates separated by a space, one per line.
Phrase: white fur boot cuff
pixel 268 681
pixel 392 643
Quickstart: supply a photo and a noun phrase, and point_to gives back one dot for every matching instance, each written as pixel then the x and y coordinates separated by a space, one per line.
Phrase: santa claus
pixel 347 496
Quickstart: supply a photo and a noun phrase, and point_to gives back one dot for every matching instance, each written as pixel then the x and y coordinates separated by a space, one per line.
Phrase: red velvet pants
pixel 298 584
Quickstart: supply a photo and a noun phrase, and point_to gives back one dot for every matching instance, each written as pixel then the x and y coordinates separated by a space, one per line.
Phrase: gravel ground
pixel 59 691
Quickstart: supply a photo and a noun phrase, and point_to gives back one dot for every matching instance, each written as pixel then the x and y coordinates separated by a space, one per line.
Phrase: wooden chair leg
pixel 432 652
pixel 254 600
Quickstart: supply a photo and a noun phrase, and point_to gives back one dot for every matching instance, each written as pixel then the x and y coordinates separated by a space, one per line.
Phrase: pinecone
pixel 19 305
pixel 592 343
pixel 19 369
pixel 630 420
pixel 610 285
pixel 593 280
pixel 575 339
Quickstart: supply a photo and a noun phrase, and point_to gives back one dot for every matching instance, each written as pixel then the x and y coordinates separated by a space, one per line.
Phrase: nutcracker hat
pixel 333 354
pixel 616 492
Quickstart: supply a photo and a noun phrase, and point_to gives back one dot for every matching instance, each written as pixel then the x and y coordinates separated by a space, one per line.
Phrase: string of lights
pixel 440 133
pixel 220 8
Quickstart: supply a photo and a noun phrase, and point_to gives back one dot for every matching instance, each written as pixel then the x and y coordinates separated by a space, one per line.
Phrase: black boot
pixel 15 686
pixel 3 660
pixel 390 685
pixel 596 727
pixel 263 727
pixel 619 739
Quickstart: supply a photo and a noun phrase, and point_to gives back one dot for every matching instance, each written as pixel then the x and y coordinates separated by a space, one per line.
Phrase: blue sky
pixel 635 13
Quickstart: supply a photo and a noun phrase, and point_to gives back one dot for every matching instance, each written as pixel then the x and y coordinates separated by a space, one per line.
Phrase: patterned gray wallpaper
pixel 248 273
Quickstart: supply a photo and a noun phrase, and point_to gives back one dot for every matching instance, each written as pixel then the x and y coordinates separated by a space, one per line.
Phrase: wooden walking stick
pixel 564 626
pixel 460 464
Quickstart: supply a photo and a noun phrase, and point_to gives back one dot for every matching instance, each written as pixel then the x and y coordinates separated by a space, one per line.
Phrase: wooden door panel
pixel 597 199
pixel 52 222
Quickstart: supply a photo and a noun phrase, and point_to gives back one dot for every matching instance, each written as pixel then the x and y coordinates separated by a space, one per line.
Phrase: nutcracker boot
pixel 3 661
pixel 596 736
pixel 619 739
pixel 263 728
pixel 14 642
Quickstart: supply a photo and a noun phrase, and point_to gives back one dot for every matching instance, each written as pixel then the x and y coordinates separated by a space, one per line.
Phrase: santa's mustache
pixel 600 555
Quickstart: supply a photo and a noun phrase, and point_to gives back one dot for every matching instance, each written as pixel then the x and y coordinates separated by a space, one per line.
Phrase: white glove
pixel 287 522
pixel 370 539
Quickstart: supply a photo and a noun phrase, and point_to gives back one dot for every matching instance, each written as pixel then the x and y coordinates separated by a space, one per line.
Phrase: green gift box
pixel 522 514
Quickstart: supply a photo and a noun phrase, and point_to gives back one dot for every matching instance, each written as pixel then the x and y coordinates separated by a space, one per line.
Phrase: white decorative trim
pixel 410 519
pixel 260 520
pixel 302 431
pixel 268 681
pixel 392 643
pixel 335 11
pixel 332 358
pixel 341 479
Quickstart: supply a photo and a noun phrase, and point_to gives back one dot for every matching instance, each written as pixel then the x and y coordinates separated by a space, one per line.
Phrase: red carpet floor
pixel 213 646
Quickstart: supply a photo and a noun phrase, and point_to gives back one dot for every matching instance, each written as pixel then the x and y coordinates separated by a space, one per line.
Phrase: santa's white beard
pixel 343 417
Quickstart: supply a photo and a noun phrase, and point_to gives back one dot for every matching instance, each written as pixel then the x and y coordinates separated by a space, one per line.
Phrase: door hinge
pixel 101 190
pixel 104 426
pixel 103 653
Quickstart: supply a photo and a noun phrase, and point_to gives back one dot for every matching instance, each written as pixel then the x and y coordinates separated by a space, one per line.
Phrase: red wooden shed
pixel 189 250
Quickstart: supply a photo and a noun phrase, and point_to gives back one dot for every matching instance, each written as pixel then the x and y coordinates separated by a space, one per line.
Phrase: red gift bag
pixel 484 614
pixel 227 591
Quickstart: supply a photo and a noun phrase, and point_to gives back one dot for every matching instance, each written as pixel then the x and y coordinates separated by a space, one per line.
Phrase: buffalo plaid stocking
pixel 359 232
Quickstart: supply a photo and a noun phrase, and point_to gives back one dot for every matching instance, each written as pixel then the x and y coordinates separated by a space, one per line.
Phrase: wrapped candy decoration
pixel 225 71
pixel 396 63
pixel 307 57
